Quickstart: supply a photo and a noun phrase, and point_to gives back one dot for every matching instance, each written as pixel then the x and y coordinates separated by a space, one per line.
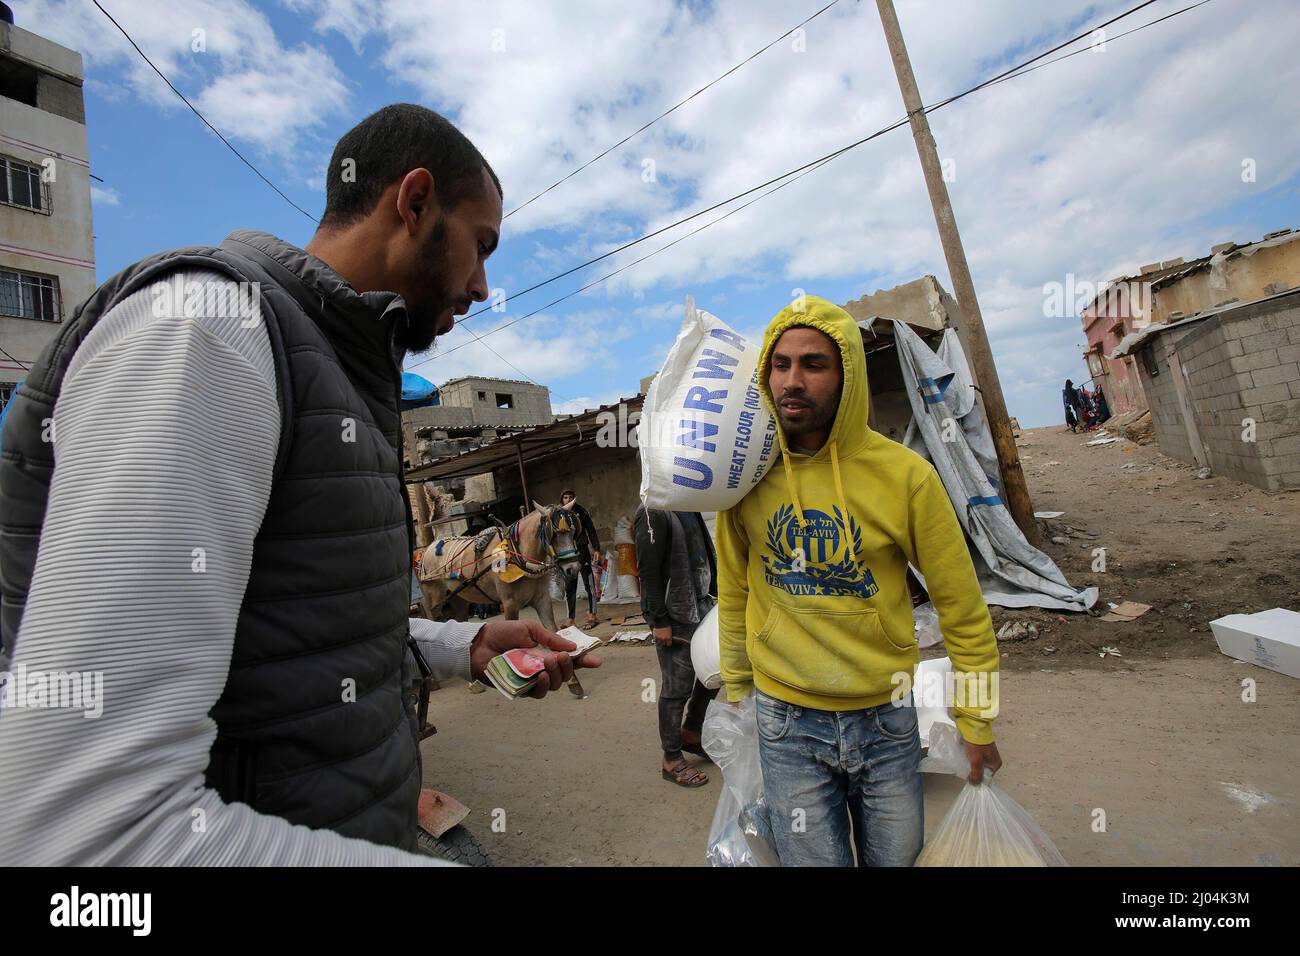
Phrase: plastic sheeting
pixel 418 391
pixel 948 428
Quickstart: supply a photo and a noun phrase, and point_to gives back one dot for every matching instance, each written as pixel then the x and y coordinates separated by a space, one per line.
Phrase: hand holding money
pixel 497 637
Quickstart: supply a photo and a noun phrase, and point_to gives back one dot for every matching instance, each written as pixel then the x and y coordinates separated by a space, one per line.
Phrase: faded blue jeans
pixel 823 768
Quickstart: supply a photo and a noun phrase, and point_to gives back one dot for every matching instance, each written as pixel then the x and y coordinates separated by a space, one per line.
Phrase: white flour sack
pixel 705 435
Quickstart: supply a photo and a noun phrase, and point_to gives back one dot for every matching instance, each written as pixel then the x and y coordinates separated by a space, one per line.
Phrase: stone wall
pixel 1241 370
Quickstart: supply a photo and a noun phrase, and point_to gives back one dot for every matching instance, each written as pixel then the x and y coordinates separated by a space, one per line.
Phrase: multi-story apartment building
pixel 47 257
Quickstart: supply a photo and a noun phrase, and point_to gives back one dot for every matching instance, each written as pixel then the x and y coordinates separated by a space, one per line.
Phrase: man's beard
pixel 421 326
pixel 819 416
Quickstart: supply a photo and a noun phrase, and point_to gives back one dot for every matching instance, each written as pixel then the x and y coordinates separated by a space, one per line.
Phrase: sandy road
pixel 1186 772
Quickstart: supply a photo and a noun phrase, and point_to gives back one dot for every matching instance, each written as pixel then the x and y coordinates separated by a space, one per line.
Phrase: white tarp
pixel 948 427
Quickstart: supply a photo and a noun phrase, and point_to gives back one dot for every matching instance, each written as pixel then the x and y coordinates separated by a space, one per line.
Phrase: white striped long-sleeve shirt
pixel 165 437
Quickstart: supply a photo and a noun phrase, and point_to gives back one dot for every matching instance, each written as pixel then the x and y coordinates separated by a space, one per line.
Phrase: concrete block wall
pixel 607 482
pixel 1162 399
pixel 531 403
pixel 1243 375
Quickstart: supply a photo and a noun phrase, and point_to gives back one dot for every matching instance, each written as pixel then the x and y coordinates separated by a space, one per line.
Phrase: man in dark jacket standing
pixel 225 543
pixel 587 542
pixel 679 586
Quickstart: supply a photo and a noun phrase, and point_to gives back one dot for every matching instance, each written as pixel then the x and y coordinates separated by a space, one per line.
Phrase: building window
pixel 505 401
pixel 7 390
pixel 21 185
pixel 26 295
pixel 1148 355
pixel 482 396
pixel 1096 364
pixel 19 81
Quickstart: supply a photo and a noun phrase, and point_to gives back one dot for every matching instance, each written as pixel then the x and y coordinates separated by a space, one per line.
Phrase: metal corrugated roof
pixel 532 444
pixel 1135 340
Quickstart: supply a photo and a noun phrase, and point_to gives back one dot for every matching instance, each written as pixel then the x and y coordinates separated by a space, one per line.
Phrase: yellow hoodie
pixel 829 628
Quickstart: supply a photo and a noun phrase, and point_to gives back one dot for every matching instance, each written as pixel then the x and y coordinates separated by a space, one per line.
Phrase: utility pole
pixel 1014 492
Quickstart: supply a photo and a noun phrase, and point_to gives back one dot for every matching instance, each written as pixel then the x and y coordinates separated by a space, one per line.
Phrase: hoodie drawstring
pixel 789 483
pixel 835 472
pixel 839 486
pixel 839 489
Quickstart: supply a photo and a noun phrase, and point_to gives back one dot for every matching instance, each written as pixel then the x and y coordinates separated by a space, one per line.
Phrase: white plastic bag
pixel 706 652
pixel 985 827
pixel 926 622
pixel 741 834
pixel 705 435
pixel 931 694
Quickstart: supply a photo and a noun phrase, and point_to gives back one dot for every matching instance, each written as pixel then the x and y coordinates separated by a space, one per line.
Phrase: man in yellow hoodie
pixel 815 613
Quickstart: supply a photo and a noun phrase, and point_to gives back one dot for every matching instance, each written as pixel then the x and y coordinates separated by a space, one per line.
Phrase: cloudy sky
pixel 1087 168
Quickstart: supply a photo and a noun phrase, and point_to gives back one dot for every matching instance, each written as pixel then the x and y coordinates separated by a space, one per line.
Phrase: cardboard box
pixel 1268 639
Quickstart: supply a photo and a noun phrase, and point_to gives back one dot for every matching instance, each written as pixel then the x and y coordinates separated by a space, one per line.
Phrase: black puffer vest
pixel 329 590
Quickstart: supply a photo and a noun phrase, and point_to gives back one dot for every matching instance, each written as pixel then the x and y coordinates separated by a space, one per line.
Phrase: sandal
pixel 592 621
pixel 684 775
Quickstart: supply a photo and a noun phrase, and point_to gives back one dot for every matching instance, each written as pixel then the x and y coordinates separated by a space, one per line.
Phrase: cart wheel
pixel 457 845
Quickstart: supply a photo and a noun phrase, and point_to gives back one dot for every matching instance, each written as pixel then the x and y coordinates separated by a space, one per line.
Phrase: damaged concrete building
pixel 473 411
pixel 1122 306
pixel 925 306
pixel 1220 369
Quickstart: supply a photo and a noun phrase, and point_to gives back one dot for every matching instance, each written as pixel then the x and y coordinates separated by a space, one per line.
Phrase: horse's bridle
pixel 547 528
pixel 567 522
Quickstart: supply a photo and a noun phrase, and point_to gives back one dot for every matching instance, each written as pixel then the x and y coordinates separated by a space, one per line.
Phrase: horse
pixel 510 566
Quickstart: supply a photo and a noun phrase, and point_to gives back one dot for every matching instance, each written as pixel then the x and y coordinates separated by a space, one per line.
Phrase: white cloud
pixel 105 196
pixel 1091 166
pixel 576 406
pixel 222 54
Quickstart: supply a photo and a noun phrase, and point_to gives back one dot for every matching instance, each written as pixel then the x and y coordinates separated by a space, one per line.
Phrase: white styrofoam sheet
pixel 1268 639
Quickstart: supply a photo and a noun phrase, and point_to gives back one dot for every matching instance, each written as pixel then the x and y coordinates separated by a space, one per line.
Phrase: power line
pixel 711 222
pixel 822 160
pixel 670 109
pixel 1066 56
pixel 19 362
pixel 229 145
pixel 526 376
pixel 246 162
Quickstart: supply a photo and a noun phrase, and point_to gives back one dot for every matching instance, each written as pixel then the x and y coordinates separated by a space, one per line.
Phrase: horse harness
pixel 547 528
pixel 510 561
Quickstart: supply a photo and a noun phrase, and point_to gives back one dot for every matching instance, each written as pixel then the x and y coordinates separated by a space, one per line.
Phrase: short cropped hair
pixel 387 145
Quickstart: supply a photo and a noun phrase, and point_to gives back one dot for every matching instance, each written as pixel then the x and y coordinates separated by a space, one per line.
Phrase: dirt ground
pixel 1157 743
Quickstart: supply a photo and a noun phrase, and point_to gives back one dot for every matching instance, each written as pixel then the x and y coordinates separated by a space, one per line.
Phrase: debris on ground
pixel 1127 611
pixel 630 637
pixel 1268 639
pixel 1016 631
pixel 1140 431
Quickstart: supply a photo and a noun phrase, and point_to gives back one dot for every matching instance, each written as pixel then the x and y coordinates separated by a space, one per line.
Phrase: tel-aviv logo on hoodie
pixel 817 559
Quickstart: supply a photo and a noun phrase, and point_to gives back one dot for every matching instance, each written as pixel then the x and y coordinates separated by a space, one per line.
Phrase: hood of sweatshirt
pixel 850 432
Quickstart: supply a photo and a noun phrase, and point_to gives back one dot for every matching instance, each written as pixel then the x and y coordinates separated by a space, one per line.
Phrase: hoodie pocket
pixel 832 652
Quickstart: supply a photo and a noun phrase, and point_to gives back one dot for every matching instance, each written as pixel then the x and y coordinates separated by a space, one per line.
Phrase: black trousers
pixel 682 699
pixel 571 589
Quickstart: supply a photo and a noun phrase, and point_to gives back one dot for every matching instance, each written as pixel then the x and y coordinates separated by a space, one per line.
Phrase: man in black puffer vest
pixel 222 555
